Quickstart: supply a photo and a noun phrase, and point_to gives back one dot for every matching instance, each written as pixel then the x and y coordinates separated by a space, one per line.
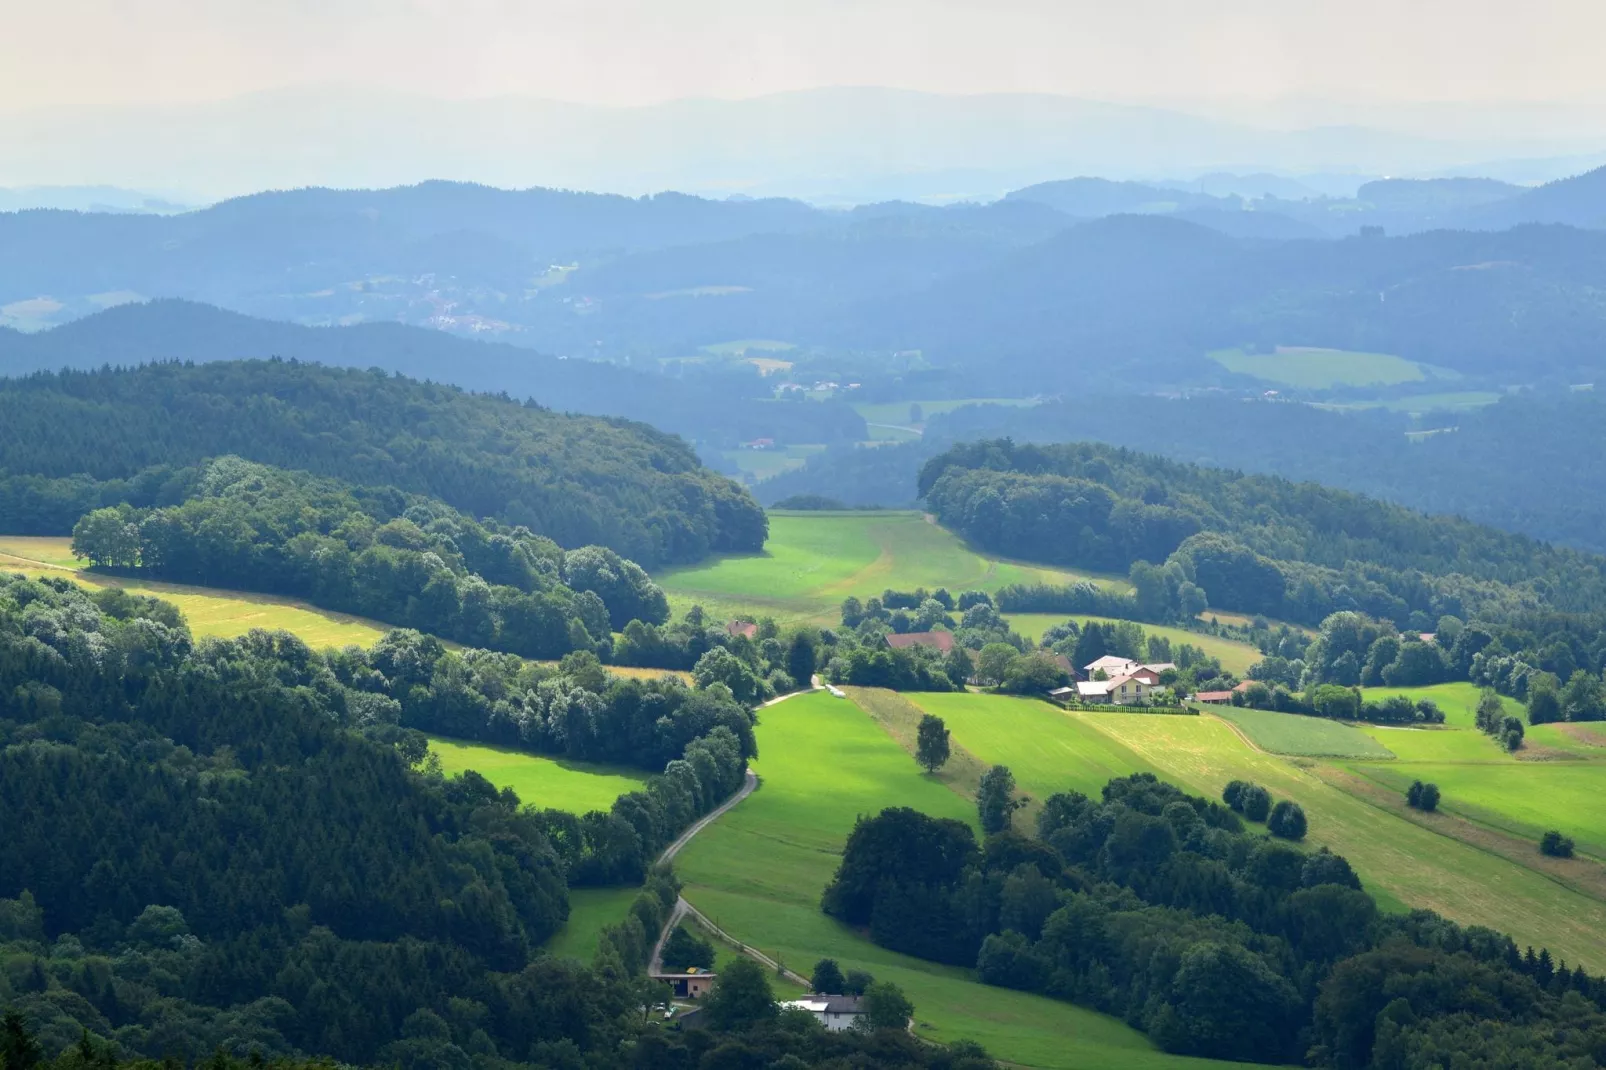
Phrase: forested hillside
pixel 727 405
pixel 223 844
pixel 1254 544
pixel 576 480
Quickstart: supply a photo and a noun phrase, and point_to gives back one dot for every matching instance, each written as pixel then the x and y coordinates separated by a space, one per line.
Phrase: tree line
pixel 1158 907
pixel 576 480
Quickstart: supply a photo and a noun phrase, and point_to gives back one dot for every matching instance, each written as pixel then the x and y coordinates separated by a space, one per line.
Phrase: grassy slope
pixel 814 560
pixel 1295 734
pixel 589 910
pixel 758 873
pixel 1318 369
pixel 1459 701
pixel 1235 657
pixel 548 783
pixel 1399 859
pixel 210 611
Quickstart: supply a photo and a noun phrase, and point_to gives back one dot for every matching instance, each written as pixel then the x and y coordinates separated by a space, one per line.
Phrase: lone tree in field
pixel 1422 796
pixel 886 1007
pixel 931 746
pixel 1556 845
pixel 995 801
pixel 1287 821
pixel 827 978
pixel 1251 800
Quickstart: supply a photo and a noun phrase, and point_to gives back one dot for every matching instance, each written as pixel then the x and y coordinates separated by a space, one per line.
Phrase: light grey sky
pixel 89 54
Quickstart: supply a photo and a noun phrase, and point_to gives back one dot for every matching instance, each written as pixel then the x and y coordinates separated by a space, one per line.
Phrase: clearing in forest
pixel 539 781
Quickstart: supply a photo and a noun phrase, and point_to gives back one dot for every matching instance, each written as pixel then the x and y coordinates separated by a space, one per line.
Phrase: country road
pixel 683 908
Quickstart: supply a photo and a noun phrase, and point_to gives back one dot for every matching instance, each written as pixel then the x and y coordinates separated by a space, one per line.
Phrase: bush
pixel 1287 821
pixel 1254 802
pixel 1422 796
pixel 1232 794
pixel 1556 845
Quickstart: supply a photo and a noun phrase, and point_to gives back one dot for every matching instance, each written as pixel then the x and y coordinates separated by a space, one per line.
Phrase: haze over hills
pixel 850 144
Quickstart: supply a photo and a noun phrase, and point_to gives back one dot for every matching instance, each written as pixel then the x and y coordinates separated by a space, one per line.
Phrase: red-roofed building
pixel 943 641
pixel 1218 698
pixel 742 627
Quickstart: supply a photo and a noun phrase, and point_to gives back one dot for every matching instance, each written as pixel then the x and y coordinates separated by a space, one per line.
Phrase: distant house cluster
pixel 1222 698
pixel 1125 682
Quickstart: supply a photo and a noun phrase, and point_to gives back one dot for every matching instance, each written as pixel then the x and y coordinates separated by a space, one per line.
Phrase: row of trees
pixel 1158 907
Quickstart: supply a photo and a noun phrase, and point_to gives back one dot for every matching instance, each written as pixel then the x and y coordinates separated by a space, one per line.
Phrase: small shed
pixel 693 984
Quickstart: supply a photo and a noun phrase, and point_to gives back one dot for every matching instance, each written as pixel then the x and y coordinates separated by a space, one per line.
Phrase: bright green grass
pixel 1047 751
pixel 724 955
pixel 1522 798
pixel 1459 701
pixel 1400 861
pixel 548 783
pixel 1320 369
pixel 814 560
pixel 1296 734
pixel 1235 657
pixel 211 612
pixel 1446 744
pixel 758 873
pixel 590 909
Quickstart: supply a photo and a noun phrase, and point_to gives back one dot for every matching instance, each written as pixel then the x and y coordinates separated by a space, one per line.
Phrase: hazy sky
pixel 92 53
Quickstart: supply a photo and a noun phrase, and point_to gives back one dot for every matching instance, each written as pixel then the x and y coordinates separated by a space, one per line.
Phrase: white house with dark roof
pixel 836 1013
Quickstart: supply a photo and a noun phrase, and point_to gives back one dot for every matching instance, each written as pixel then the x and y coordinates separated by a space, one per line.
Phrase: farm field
pixel 1459 700
pixel 894 415
pixel 758 873
pixel 1235 657
pixel 815 560
pixel 762 464
pixel 548 783
pixel 1315 368
pixel 1298 735
pixel 1402 862
pixel 211 612
pixel 590 909
pixel 1420 404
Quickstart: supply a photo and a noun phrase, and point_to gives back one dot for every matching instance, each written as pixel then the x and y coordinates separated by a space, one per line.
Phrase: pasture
pixel 1316 368
pixel 1459 700
pixel 758 873
pixel 1404 862
pixel 896 415
pixel 1235 657
pixel 539 781
pixel 590 910
pixel 211 612
pixel 759 465
pixel 1301 736
pixel 814 560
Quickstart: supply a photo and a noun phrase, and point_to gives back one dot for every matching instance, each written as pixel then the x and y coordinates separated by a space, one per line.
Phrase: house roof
pixel 1244 685
pixel 1062 691
pixel 819 1003
pixel 688 976
pixel 1213 696
pixel 943 641
pixel 1092 687
pixel 1119 680
pixel 1108 662
pixel 741 627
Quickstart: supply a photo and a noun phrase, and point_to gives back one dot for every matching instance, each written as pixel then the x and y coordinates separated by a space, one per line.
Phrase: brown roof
pixel 1213 696
pixel 741 627
pixel 943 641
pixel 1245 685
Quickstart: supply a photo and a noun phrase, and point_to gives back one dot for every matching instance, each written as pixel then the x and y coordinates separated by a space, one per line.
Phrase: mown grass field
pixel 1426 862
pixel 1235 657
pixel 1298 735
pixel 1313 368
pixel 210 611
pixel 548 783
pixel 761 464
pixel 1459 700
pixel 758 873
pixel 814 560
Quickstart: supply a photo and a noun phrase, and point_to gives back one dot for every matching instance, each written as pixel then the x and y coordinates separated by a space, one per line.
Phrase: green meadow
pixel 813 561
pixel 590 910
pixel 211 612
pixel 1296 734
pixel 896 414
pixel 1459 700
pixel 1403 862
pixel 547 783
pixel 1315 368
pixel 758 873
pixel 1235 657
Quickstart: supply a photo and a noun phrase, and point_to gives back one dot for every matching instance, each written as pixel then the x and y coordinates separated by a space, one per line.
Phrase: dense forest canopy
pixel 576 480
pixel 230 844
pixel 1256 544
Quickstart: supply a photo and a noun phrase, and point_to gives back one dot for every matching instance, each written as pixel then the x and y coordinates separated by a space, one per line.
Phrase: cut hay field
pixel 1405 859
pixel 548 783
pixel 1235 657
pixel 814 560
pixel 210 611
pixel 759 870
pixel 1300 736
pixel 1314 368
